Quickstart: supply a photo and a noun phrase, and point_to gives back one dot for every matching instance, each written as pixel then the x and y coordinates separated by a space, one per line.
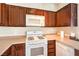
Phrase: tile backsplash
pixel 16 31
pixel 12 31
pixel 45 30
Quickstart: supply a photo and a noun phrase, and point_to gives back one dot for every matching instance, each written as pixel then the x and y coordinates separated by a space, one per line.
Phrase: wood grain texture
pixel 51 48
pixel 18 50
pixel 7 52
pixel 16 16
pixel 49 18
pixel 3 14
pixel 67 16
pixel 76 52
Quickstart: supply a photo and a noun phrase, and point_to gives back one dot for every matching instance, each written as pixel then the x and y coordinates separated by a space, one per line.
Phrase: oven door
pixel 36 50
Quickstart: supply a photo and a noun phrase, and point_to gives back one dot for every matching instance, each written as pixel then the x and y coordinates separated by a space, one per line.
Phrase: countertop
pixel 6 42
pixel 66 41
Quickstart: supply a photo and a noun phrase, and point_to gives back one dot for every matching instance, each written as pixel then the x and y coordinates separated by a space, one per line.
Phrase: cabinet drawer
pixel 51 46
pixel 51 50
pixel 51 54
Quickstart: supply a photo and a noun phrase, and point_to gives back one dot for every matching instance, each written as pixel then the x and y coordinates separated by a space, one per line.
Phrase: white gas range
pixel 36 44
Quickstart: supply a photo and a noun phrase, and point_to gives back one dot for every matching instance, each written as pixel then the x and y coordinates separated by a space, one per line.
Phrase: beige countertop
pixel 65 41
pixel 6 42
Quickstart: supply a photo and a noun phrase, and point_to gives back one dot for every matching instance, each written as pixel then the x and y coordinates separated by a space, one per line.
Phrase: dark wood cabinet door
pixel 52 19
pixel 34 11
pixel 22 17
pixel 0 13
pixel 16 16
pixel 7 52
pixel 49 19
pixel 76 52
pixel 46 14
pixel 39 12
pixel 30 11
pixel 3 14
pixel 65 17
pixel 51 48
pixel 74 14
pixel 18 50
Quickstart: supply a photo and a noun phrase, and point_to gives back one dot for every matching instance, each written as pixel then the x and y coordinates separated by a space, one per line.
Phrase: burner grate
pixel 40 37
pixel 30 38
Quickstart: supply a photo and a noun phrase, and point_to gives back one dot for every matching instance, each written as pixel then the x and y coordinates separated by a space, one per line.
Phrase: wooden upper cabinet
pixel 0 12
pixel 17 16
pixel 28 11
pixel 22 16
pixel 74 14
pixel 3 14
pixel 67 16
pixel 39 12
pixel 34 11
pixel 50 18
pixel 46 18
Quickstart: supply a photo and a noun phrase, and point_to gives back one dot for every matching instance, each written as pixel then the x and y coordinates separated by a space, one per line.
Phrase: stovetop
pixel 40 37
pixel 30 38
pixel 35 38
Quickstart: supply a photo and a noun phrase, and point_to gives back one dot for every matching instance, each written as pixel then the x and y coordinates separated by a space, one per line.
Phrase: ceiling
pixel 45 6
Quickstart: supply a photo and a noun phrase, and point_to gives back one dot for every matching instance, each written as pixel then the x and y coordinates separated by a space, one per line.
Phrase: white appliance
pixel 35 20
pixel 36 44
pixel 63 50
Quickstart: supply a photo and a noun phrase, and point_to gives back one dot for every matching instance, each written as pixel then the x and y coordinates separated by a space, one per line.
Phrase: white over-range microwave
pixel 35 20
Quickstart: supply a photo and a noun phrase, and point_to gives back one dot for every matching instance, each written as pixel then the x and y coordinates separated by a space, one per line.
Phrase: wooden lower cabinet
pixel 7 52
pixel 15 50
pixel 18 50
pixel 51 48
pixel 76 52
